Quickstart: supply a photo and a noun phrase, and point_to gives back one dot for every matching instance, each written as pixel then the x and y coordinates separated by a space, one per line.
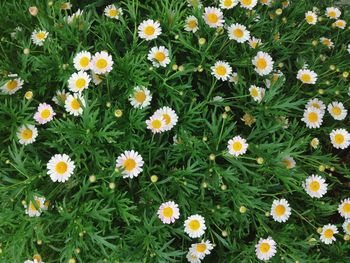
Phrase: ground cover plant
pixel 174 131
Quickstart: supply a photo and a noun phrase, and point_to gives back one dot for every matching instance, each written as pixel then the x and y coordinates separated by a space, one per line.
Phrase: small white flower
pixel 237 146
pixel 289 162
pixel 112 11
pixel 228 4
pixel 333 12
pixel 191 24
pixel 74 104
pixel 79 81
pixel 44 113
pixel 316 103
pixel 169 116
pixel 213 17
pixel 101 63
pixel 340 23
pixel 346 226
pixel 311 18
pixel 337 110
pixel 263 63
pixel 315 186
pixel 168 212
pixel 27 134
pixel 201 249
pixel 39 37
pixel 131 163
pixel 307 76
pixel 265 249
pixel 280 210
pixel 221 70
pixel 327 234
pixel 248 4
pixel 257 93
pixel 313 117
pixel 149 29
pixel 35 209
pixel 159 56
pixel 60 167
pixel 82 60
pixel 156 124
pixel 195 226
pixel 327 42
pixel 11 86
pixel 140 98
pixel 340 138
pixel 254 42
pixel 238 32
pixel 344 208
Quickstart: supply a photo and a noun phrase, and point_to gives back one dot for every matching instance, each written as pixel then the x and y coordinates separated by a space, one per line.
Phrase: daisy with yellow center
pixel 265 249
pixel 130 162
pixel 280 210
pixel 11 86
pixel 195 226
pixel 313 117
pixel 346 226
pixel 333 12
pixel 254 42
pixel 327 234
pixel 140 98
pixel 316 103
pixel 340 138
pixel 169 116
pixel 327 42
pixel 101 63
pixel 44 113
pixel 307 76
pixel 315 186
pixel 237 146
pixel 66 6
pixel 192 258
pixel 60 97
pixel 213 17
pixel 168 212
pixel 156 124
pixel 74 104
pixel 340 24
pixel 79 81
pixel 60 167
pixel 238 32
pixel 228 4
pixel 248 4
pixel 82 60
pixel 221 70
pixel 257 93
pixel 263 63
pixel 201 249
pixel 36 208
pixel 315 143
pixel 311 18
pixel 112 11
pixel 191 24
pixel 234 78
pixel 27 134
pixel 96 79
pixel 39 37
pixel 337 110
pixel 344 208
pixel 149 29
pixel 159 56
pixel 289 162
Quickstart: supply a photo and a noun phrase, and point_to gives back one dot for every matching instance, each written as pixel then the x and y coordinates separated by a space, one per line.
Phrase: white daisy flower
pixel 168 212
pixel 44 113
pixel 191 24
pixel 156 124
pixel 337 110
pixel 263 63
pixel 11 86
pixel 340 23
pixel 169 115
pixel 344 208
pixel 248 4
pixel 307 76
pixel 313 117
pixel 346 226
pixel 60 167
pixel 74 104
pixel 82 60
pixel 315 186
pixel 280 210
pixel 311 18
pixel 195 226
pixel 96 79
pixel 202 249
pixel 213 17
pixel 149 29
pixel 140 98
pixel 74 16
pixel 327 42
pixel 159 56
pixel 237 146
pixel 35 209
pixel 39 36
pixel 130 162
pixel 254 42
pixel 257 93
pixel 27 134
pixel 60 97
pixel 192 258
pixel 234 78
pixel 316 103
pixel 289 162
pixel 221 70
pixel 327 234
pixel 101 63
pixel 340 138
pixel 314 143
pixel 228 4
pixel 238 32
pixel 265 249
pixel 112 11
pixel 66 6
pixel 79 81
pixel 333 12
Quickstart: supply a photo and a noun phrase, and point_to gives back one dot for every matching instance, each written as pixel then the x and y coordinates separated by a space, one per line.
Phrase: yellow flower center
pixel 201 247
pixel 305 78
pixel 101 63
pixel 160 56
pixel 40 35
pixel 113 12
pixel 280 210
pixel 227 3
pixel 75 104
pixel 237 146
pixel 336 111
pixel 149 30
pixel 140 96
pixel 346 208
pixel 45 114
pixel 328 233
pixel 261 63
pixel 309 18
pixel 238 33
pixel 339 138
pixel 221 70
pixel 254 44
pixel 192 23
pixel 288 163
pixel 167 118
pixel 213 18
pixel 254 92
pixel 27 134
pixel 84 62
pixel 332 14
pixel 156 124
pixel 32 206
pixel 61 167
pixel 313 117
pixel 12 84
pixel 264 247
pixel 194 224
pixel 168 212
pixel 340 23
pixel 326 42
pixel 80 83
pixel 129 165
pixel 315 186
